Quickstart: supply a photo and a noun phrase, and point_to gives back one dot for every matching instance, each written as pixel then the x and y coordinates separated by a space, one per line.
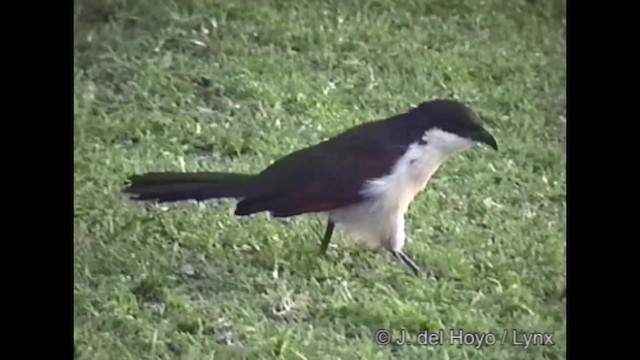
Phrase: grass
pixel 221 85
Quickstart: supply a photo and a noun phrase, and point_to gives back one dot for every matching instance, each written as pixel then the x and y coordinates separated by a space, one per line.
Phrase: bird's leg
pixel 407 261
pixel 394 243
pixel 327 236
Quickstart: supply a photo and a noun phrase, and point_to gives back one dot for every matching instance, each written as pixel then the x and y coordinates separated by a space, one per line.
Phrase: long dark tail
pixel 171 186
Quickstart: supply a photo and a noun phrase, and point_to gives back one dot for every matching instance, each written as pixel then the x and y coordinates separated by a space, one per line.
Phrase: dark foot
pixel 327 237
pixel 407 261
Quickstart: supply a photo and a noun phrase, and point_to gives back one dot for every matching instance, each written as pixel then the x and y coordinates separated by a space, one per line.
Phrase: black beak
pixel 484 137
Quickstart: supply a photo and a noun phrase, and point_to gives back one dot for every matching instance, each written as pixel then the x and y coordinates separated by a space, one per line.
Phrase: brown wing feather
pixel 327 176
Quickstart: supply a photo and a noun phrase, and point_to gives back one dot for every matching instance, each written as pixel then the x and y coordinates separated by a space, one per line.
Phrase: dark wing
pixel 324 177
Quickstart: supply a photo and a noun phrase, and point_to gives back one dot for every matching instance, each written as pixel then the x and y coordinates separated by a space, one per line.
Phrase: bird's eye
pixel 417 134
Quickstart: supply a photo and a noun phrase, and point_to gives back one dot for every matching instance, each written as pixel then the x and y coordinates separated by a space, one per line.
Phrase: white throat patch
pixel 445 142
pixel 414 169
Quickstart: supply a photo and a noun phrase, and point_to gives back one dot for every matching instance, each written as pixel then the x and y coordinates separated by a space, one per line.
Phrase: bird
pixel 363 179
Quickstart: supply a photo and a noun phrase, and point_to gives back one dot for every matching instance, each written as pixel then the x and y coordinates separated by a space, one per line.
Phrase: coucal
pixel 363 179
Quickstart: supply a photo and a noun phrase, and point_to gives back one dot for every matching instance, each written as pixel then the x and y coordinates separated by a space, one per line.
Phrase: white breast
pixel 380 220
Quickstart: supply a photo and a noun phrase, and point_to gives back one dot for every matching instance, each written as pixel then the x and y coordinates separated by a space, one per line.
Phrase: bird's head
pixel 449 127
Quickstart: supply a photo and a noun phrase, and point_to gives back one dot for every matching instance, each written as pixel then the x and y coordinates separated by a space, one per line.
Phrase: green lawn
pixel 232 85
